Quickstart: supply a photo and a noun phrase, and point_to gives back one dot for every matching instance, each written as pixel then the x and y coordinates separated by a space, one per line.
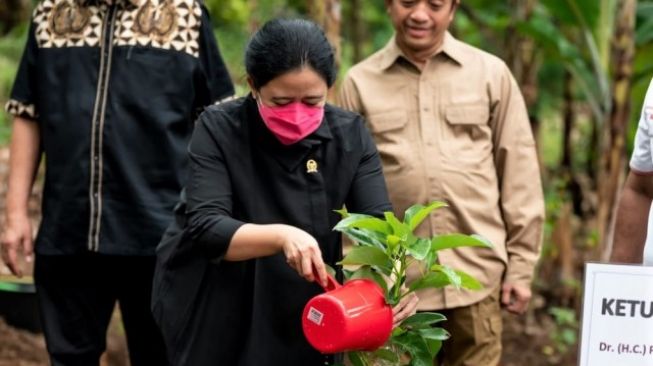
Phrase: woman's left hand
pixel 407 306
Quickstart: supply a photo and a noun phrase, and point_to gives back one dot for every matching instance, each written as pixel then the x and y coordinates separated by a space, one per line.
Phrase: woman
pixel 267 172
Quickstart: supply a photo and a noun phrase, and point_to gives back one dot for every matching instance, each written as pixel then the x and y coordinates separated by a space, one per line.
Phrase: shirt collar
pixel 450 47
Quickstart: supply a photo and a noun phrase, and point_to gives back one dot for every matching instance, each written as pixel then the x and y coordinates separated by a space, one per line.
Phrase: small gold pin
pixel 311 166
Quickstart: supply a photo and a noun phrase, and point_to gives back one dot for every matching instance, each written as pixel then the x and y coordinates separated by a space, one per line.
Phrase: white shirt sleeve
pixel 642 158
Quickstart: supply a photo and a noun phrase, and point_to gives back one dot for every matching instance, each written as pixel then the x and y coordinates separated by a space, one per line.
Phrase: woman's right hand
pixel 302 253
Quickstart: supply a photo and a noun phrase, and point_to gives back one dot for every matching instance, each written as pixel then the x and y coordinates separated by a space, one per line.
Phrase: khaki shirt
pixel 459 132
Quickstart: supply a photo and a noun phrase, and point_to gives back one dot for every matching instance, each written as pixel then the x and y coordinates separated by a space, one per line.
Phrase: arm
pixel 632 219
pixel 23 163
pixel 23 160
pixel 219 235
pixel 635 202
pixel 521 197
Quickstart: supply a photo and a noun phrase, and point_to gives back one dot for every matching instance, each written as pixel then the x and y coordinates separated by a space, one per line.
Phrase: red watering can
pixel 347 318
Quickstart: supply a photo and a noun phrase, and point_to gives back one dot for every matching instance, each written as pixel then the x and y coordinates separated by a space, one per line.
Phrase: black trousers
pixel 77 295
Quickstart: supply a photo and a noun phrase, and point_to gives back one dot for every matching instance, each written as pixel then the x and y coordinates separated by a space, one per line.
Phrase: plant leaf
pixel 436 334
pixel 369 273
pixel 386 354
pixel 453 277
pixel 417 213
pixel 363 222
pixel 368 256
pixel 420 248
pixel 397 332
pixel 330 270
pixel 414 344
pixel 449 241
pixel 364 237
pixel 431 259
pixel 342 212
pixel 355 358
pixel 468 282
pixel 432 280
pixel 434 346
pixel 422 320
pixel 398 228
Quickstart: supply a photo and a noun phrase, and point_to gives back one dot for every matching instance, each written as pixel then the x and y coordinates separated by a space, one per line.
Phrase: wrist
pixel 277 235
pixel 16 214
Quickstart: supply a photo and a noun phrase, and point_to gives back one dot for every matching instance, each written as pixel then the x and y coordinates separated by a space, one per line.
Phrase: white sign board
pixel 617 316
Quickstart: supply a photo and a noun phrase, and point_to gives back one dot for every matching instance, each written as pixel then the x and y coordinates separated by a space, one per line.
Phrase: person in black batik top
pixel 107 91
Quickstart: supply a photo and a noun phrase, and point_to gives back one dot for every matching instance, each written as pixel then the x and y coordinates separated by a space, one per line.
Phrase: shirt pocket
pixel 467 134
pixel 391 135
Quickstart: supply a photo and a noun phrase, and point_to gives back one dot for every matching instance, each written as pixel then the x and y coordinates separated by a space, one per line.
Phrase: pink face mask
pixel 292 122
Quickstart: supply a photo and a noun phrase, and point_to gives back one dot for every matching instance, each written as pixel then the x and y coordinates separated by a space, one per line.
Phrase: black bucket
pixel 18 305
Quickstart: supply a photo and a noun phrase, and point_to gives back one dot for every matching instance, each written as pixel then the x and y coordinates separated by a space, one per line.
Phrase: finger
pixel 11 260
pixel 517 307
pixel 3 253
pixel 307 267
pixel 291 256
pixel 411 307
pixel 523 295
pixel 28 247
pixel 522 305
pixel 406 307
pixel 400 316
pixel 506 294
pixel 397 308
pixel 320 269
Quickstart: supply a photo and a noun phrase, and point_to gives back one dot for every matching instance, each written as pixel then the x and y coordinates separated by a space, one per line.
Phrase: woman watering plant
pixel 267 172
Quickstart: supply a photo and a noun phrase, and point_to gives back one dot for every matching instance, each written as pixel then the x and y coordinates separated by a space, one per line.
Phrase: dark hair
pixel 284 45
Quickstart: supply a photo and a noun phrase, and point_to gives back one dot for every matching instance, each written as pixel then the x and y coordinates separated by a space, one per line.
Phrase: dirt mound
pixel 21 348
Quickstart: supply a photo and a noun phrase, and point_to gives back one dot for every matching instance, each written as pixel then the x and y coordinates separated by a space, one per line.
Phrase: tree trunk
pixel 327 13
pixel 568 117
pixel 613 160
pixel 253 23
pixel 356 30
pixel 522 58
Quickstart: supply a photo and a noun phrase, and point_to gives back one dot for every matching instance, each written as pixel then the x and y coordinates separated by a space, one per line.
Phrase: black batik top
pixel 115 87
pixel 216 312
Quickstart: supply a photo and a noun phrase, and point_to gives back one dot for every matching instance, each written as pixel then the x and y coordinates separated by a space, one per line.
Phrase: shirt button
pixel 95 194
pixel 95 158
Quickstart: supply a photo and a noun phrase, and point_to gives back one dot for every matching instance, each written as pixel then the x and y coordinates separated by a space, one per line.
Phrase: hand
pixel 303 253
pixel 17 237
pixel 515 297
pixel 406 307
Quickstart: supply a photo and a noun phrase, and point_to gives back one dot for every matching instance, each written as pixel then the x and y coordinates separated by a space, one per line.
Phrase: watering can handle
pixel 332 283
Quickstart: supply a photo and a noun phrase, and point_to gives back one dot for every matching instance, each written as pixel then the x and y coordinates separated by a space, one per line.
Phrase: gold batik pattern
pixel 64 23
pixel 17 108
pixel 165 24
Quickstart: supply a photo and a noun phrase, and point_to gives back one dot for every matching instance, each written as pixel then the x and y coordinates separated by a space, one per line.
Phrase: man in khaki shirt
pixel 450 124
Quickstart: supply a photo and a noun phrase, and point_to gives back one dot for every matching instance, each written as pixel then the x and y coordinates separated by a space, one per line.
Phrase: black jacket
pixel 216 312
